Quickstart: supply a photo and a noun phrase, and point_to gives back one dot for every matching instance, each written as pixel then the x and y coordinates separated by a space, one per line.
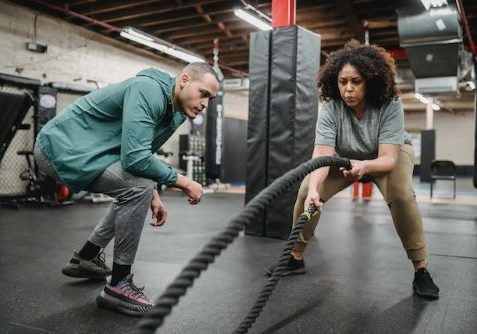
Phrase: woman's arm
pixel 318 176
pixel 385 162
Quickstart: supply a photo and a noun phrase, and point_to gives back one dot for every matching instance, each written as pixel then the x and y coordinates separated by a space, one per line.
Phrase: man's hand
pixel 194 191
pixel 159 211
pixel 357 171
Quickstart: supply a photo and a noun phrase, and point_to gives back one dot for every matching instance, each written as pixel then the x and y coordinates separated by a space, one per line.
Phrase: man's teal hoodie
pixel 127 121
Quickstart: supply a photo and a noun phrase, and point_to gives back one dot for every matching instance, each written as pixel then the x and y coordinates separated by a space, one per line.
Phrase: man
pixel 105 143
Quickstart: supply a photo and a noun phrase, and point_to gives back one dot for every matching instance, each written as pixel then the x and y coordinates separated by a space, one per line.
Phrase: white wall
pixel 454 134
pixel 236 105
pixel 73 52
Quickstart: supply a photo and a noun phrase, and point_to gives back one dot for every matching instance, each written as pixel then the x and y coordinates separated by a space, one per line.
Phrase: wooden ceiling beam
pixel 379 24
pixel 192 27
pixel 223 52
pixel 222 27
pixel 318 21
pixel 178 12
pixel 108 7
pixel 233 58
pixel 204 15
pixel 165 7
pixel 316 16
pixel 80 2
pixel 208 19
pixel 232 22
pixel 185 33
pixel 345 7
pixel 154 24
pixel 238 62
pixel 225 45
pixel 211 34
pixel 205 38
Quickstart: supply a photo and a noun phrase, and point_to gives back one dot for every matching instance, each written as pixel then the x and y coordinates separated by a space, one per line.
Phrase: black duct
pixel 283 107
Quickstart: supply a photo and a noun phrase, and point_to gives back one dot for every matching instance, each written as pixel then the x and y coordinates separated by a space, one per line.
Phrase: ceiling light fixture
pixel 425 100
pixel 159 45
pixel 435 107
pixel 433 3
pixel 253 16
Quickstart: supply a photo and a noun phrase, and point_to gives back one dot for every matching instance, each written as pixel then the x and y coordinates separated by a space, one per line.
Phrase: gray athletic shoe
pixel 95 268
pixel 124 297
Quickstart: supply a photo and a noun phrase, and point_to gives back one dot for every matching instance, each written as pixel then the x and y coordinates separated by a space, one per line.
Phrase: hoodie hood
pixel 167 83
pixel 162 78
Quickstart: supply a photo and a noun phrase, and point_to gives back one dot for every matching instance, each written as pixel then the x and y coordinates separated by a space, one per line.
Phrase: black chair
pixel 443 170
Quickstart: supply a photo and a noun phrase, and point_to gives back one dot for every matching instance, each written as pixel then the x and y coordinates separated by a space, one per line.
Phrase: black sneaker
pixel 95 268
pixel 294 267
pixel 424 286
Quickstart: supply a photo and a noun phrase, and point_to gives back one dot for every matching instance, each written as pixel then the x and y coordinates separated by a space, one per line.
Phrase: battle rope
pixel 178 288
pixel 277 273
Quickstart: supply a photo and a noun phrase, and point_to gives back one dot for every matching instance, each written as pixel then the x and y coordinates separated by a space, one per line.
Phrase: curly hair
pixel 373 62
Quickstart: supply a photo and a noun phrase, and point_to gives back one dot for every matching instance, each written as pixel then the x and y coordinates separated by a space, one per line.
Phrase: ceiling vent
pixel 433 41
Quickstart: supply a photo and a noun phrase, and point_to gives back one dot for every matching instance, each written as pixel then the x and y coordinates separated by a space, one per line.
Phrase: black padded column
pixel 214 136
pixel 257 128
pixel 291 105
pixel 428 153
pixel 475 139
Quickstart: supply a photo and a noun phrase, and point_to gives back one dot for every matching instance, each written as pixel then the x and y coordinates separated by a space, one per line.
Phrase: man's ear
pixel 185 79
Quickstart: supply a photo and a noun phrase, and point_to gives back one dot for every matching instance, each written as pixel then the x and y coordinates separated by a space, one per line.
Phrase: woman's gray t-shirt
pixel 359 138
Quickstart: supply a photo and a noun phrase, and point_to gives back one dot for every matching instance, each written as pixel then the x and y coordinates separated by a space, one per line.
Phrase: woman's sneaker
pixel 424 286
pixel 293 267
pixel 124 297
pixel 95 268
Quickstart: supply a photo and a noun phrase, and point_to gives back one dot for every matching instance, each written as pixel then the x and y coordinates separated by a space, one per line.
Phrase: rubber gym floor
pixel 358 277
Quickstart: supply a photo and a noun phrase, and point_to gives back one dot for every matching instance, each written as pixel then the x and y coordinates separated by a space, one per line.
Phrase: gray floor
pixel 358 281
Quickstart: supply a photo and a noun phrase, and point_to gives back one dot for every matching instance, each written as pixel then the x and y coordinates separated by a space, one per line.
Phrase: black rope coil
pixel 178 288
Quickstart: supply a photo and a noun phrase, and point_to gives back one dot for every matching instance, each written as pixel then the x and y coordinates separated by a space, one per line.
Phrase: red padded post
pixel 283 13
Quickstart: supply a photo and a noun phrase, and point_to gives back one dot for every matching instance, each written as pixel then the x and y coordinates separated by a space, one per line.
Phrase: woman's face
pixel 352 87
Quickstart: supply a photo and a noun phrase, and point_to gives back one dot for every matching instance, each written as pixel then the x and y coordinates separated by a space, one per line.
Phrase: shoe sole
pixel 287 273
pixel 78 273
pixel 117 306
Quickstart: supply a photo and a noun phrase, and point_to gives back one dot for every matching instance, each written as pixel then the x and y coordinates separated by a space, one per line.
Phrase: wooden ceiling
pixel 194 24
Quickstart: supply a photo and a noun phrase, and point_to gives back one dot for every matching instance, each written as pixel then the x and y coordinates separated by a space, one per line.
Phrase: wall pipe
pixel 473 47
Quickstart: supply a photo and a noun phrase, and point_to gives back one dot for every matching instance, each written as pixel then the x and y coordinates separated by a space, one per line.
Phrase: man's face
pixel 195 94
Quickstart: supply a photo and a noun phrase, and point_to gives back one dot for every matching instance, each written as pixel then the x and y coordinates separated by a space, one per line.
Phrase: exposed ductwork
pixel 433 42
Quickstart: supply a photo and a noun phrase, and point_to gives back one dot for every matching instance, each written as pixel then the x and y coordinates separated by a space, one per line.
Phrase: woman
pixel 361 118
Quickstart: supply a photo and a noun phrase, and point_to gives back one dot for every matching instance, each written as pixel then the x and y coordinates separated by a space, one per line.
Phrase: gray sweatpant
pixel 125 217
